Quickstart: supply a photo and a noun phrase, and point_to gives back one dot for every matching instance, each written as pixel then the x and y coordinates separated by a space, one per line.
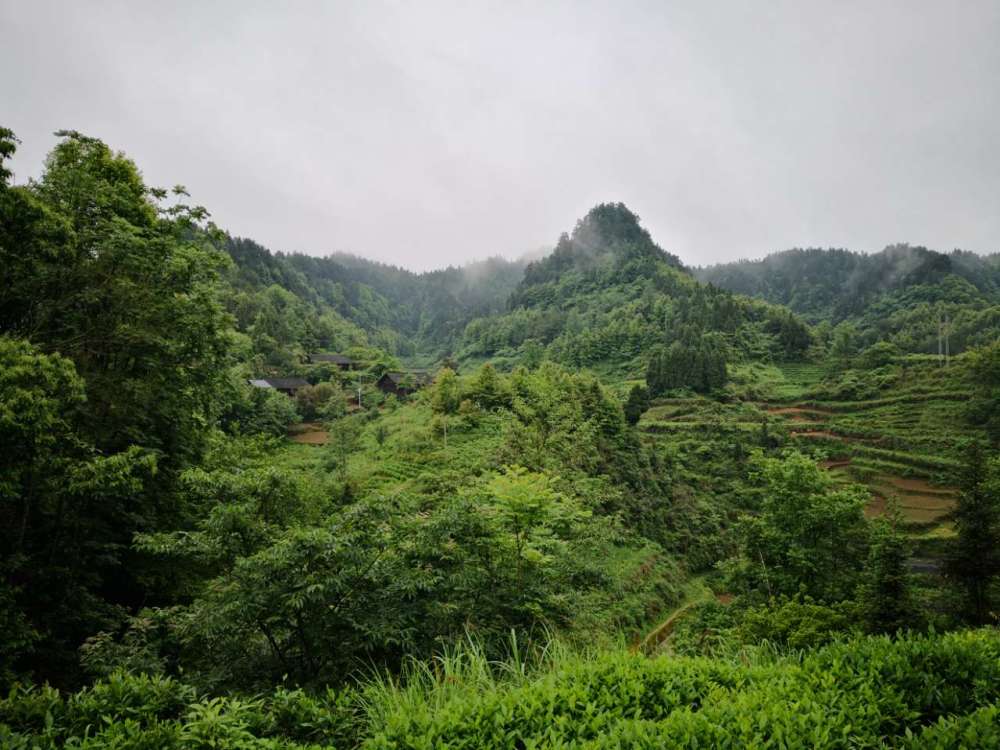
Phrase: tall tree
pixel 637 403
pixel 886 592
pixel 115 332
pixel 807 536
pixel 974 555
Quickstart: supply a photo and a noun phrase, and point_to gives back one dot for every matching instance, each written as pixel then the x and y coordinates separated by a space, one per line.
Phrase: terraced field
pixel 907 444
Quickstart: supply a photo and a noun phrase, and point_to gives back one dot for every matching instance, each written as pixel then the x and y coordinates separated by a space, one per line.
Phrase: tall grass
pixel 462 669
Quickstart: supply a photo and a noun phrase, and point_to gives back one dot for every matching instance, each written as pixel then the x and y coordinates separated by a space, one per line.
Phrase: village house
pixel 402 383
pixel 288 386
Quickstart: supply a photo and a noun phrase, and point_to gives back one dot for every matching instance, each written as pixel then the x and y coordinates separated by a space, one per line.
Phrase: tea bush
pixel 860 693
pixel 160 713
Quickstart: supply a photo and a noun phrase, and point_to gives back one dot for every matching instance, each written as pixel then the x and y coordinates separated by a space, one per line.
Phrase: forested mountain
pixel 898 294
pixel 400 311
pixel 609 295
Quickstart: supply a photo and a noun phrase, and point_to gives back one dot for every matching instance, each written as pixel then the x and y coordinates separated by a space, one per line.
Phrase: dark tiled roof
pixel 285 383
pixel 420 378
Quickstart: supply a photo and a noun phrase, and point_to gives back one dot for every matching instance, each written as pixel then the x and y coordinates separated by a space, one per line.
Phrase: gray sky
pixel 424 133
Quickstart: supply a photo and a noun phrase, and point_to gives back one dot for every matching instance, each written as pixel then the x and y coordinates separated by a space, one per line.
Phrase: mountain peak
pixel 610 234
pixel 609 223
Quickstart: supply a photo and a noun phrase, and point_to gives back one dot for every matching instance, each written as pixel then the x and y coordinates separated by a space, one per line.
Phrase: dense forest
pixel 902 295
pixel 258 499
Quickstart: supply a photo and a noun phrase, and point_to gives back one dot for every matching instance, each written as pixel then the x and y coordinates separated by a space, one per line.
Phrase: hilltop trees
pixel 901 295
pixel 608 294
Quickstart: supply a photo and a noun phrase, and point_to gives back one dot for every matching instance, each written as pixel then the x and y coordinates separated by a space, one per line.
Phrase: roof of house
pixel 397 378
pixel 280 383
pixel 337 359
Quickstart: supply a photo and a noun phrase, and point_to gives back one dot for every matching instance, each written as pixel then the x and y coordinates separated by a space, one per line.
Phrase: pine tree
pixel 886 594
pixel 974 556
pixel 638 402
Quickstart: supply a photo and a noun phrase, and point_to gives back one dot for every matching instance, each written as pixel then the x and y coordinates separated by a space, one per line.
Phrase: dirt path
pixel 834 463
pixel 798 413
pixel 917 486
pixel 695 592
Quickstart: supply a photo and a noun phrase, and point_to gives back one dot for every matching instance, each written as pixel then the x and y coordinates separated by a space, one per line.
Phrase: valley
pixel 594 499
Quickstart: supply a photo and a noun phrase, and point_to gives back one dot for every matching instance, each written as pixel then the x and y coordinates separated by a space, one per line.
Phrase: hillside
pixel 608 295
pixel 346 301
pixel 897 295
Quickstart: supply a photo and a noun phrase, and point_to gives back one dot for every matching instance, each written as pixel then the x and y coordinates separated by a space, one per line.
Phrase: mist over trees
pixel 903 294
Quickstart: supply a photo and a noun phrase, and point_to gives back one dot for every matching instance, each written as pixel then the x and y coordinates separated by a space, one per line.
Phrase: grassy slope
pixel 400 454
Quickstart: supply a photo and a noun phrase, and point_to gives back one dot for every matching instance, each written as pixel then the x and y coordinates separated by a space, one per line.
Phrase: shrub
pixel 853 694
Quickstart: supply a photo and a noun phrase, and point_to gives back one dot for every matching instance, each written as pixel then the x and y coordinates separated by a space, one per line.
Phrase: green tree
pixel 312 400
pixel 879 354
pixel 292 597
pixel 446 394
pixel 844 344
pixel 486 388
pixel 530 510
pixel 973 561
pixel 133 302
pixel 122 284
pixel 637 403
pixel 808 536
pixel 886 592
pixel 67 510
pixel 272 413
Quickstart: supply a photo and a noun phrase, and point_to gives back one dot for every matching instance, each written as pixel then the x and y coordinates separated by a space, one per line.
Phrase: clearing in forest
pixel 308 433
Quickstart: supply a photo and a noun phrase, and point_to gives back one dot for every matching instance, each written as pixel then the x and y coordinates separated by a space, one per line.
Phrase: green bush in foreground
pixel 870 692
pixel 912 692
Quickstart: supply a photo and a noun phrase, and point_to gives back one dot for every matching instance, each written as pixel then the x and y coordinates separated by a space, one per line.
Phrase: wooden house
pixel 288 386
pixel 402 383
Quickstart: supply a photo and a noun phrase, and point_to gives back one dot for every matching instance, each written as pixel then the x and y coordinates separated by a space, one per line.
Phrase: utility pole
pixel 947 340
pixel 944 338
pixel 940 337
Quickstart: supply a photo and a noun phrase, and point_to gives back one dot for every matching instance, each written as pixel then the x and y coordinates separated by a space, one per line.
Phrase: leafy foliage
pixel 974 555
pixel 807 537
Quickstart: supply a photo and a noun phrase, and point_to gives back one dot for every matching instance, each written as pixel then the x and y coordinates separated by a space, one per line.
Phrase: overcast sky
pixel 425 133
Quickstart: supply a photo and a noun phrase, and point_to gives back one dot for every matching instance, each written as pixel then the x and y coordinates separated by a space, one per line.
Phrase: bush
pixel 272 413
pixel 798 622
pixel 159 713
pixel 854 694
